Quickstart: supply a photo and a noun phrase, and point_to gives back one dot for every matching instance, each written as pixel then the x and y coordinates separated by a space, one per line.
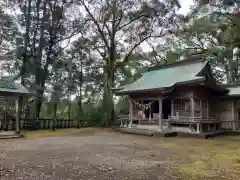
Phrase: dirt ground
pixel 96 154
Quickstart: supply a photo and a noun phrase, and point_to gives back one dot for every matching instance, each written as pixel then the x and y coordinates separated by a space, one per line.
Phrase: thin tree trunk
pixel 38 104
pixel 108 104
pixel 69 91
pixel 80 112
pixel 54 116
pixel 69 109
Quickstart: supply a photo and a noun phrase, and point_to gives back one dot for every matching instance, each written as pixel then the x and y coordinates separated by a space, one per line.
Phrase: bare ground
pixel 101 154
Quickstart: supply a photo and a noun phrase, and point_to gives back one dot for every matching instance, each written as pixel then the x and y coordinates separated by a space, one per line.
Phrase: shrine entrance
pixel 152 111
pixel 166 108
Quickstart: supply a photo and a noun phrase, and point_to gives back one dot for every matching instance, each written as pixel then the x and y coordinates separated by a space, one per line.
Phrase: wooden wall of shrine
pixel 226 110
pixel 206 105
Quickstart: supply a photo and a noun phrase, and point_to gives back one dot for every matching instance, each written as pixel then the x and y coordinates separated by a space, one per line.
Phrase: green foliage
pixel 96 118
pixel 107 51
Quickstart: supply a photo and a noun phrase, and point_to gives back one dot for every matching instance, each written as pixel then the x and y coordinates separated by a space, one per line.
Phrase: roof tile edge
pixel 177 63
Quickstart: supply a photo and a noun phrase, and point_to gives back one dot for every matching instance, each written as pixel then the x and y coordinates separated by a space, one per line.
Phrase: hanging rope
pixel 143 106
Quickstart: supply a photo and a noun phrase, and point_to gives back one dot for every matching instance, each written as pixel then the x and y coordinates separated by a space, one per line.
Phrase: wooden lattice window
pixel 197 107
pixel 204 109
pixel 182 107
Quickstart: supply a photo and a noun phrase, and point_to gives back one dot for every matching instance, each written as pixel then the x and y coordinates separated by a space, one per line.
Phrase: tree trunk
pixel 79 111
pixel 79 101
pixel 108 104
pixel 54 116
pixel 4 122
pixel 69 109
pixel 38 104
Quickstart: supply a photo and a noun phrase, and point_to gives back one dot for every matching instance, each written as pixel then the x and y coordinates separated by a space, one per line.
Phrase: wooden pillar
pixel 192 107
pixel 207 108
pixel 130 112
pixel 150 113
pixel 4 127
pixel 233 116
pixel 172 107
pixel 201 108
pixel 209 127
pixel 121 121
pixel 190 127
pixel 198 128
pixel 17 115
pixel 215 127
pixel 160 113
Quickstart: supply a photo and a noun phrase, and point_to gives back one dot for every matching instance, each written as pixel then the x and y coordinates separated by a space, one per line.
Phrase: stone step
pixel 136 131
pixel 10 136
pixel 148 123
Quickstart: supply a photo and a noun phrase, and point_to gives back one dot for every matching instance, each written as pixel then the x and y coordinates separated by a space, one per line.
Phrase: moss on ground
pixel 59 132
pixel 207 159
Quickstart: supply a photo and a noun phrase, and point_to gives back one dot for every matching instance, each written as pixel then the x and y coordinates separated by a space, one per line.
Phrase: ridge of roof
pixel 177 63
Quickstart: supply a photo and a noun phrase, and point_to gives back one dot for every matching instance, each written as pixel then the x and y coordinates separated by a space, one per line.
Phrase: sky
pixel 185 6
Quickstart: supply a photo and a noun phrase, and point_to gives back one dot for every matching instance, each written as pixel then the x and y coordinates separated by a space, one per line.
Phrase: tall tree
pixel 120 27
pixel 46 31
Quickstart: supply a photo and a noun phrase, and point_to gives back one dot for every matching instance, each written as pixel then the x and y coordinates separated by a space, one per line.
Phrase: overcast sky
pixel 185 6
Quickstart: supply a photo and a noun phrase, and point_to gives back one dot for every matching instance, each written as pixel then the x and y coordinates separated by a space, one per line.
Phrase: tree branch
pixel 131 21
pixel 125 60
pixel 96 23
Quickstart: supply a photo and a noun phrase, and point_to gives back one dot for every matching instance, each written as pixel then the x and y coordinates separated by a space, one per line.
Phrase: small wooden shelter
pixel 183 97
pixel 10 92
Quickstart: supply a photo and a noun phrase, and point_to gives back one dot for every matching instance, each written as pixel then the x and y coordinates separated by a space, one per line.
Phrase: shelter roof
pixel 12 87
pixel 169 75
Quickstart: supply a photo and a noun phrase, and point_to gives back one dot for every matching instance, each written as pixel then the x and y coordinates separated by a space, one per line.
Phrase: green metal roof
pixel 167 76
pixel 12 87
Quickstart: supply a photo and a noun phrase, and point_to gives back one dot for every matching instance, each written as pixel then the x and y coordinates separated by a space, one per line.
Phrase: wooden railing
pixel 44 123
pixel 187 119
pixel 230 125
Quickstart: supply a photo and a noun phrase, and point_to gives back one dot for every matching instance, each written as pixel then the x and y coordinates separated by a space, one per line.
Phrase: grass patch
pixel 59 132
pixel 200 159
pixel 43 133
pixel 214 159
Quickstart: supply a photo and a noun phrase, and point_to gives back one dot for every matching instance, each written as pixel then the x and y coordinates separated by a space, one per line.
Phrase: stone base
pixel 136 131
pixel 10 135
pixel 145 132
pixel 201 135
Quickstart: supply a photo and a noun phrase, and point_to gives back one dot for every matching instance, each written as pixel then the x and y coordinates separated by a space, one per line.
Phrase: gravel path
pixel 95 157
